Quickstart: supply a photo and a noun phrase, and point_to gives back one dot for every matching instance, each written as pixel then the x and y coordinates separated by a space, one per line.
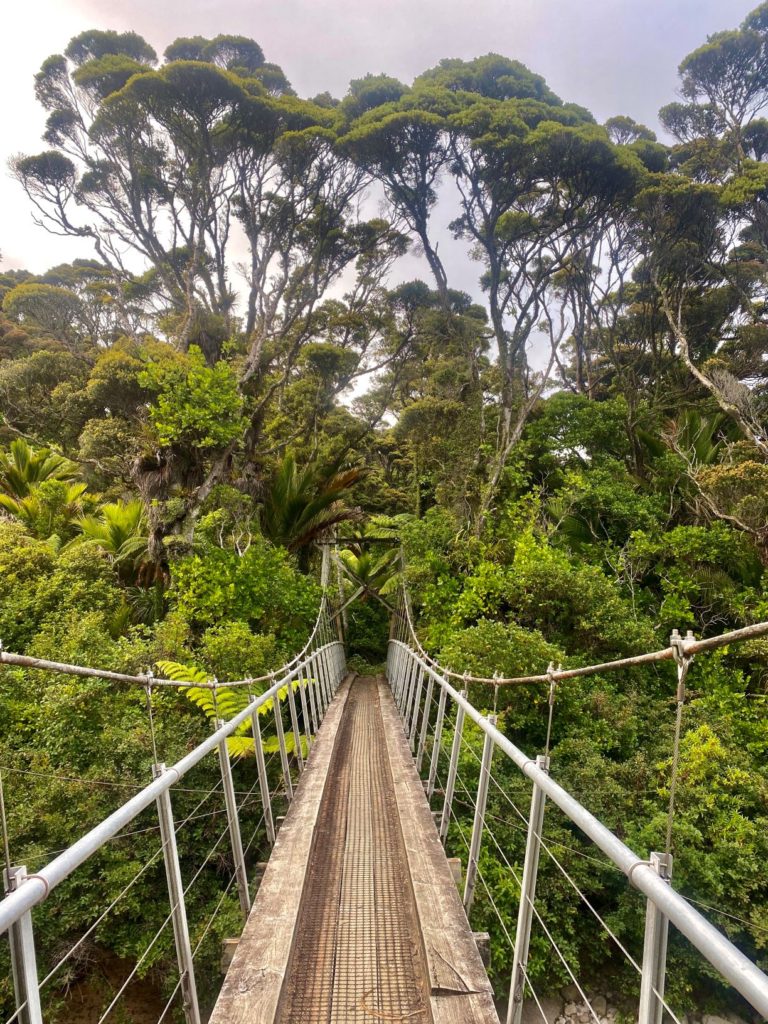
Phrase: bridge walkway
pixel 376 930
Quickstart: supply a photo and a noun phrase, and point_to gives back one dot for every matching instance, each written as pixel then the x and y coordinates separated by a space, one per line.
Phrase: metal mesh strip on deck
pixel 357 956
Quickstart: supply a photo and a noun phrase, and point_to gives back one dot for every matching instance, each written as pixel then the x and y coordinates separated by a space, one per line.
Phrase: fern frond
pixel 183 673
pixel 240 746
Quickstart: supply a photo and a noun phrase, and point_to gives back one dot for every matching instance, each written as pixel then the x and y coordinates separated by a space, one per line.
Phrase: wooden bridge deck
pixel 358 918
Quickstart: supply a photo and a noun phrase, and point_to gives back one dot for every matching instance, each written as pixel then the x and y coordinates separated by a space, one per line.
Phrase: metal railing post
pixel 305 707
pixel 395 679
pixel 425 721
pixel 330 657
pixel 338 665
pixel 261 768
pixel 328 676
pixel 312 692
pixel 479 822
pixel 234 828
pixel 452 770
pixel 436 743
pixel 283 749
pixel 178 907
pixel 26 985
pixel 295 723
pixel 401 671
pixel 318 687
pixel 413 701
pixel 321 681
pixel 527 896
pixel 654 972
pixel 416 704
pixel 410 676
pixel 322 677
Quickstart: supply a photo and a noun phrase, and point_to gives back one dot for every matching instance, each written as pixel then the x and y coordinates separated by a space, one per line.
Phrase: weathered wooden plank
pixel 252 987
pixel 460 990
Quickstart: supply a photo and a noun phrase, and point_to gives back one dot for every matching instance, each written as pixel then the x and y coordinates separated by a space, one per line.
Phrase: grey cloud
pixel 612 56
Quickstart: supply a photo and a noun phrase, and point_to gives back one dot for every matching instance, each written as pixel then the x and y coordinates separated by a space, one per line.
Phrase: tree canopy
pixel 235 369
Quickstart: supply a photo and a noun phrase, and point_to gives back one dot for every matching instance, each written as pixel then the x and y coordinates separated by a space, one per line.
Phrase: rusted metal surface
pixel 357 954
pixel 460 992
pixel 254 982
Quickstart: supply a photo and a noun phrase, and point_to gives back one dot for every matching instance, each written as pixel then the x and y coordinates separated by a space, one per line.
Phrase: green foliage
pixel 260 588
pixel 48 308
pixel 225 703
pixel 488 648
pixel 51 510
pixel 23 467
pixel 303 504
pixel 368 632
pixel 119 530
pixel 231 651
pixel 195 405
pixel 174 441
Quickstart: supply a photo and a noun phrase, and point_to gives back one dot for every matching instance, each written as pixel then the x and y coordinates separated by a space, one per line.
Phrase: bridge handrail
pixel 36 887
pixel 144 680
pixel 687 646
pixel 738 969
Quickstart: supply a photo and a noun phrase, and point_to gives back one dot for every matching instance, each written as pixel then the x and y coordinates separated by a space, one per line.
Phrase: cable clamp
pixel 682 659
pixel 637 864
pixel 552 682
pixel 28 878
pixel 678 645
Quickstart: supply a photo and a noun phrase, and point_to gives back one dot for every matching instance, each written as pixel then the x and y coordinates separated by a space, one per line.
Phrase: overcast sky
pixel 612 56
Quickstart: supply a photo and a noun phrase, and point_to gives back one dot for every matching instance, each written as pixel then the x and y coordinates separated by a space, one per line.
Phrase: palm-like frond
pixel 302 504
pixel 700 437
pixel 377 573
pixel 23 466
pixel 40 515
pixel 119 529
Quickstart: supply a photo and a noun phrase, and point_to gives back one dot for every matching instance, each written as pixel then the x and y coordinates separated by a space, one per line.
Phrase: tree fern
pixel 228 702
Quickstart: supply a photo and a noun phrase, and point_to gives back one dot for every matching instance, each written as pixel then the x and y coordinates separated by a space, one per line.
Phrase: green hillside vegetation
pixel 575 458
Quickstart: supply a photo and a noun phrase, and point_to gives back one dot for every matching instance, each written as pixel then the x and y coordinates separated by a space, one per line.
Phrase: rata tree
pixel 725 88
pixel 706 229
pixel 49 310
pixel 535 181
pixel 403 144
pixel 400 136
pixel 162 161
pixel 709 291
pixel 140 163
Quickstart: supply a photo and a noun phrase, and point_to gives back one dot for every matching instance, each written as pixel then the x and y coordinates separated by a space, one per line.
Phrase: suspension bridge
pixel 359 915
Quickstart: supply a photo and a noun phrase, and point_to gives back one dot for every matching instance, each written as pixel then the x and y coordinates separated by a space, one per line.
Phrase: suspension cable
pixel 690 647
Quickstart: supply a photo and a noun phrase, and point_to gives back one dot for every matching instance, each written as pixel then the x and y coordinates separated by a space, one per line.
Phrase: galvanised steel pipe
pixel 311 690
pixel 425 723
pixel 295 723
pixel 36 888
pixel 735 967
pixel 305 711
